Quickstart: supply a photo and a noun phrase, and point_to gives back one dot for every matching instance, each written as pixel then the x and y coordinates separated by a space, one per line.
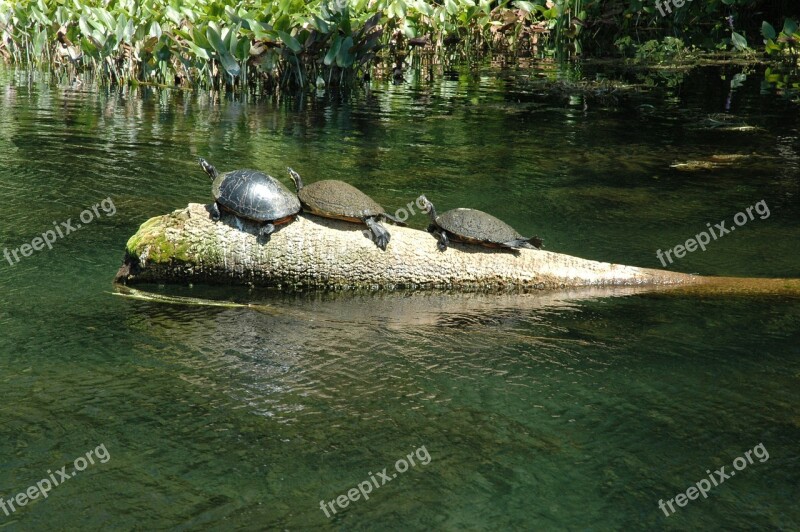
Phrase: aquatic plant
pixel 278 44
pixel 288 43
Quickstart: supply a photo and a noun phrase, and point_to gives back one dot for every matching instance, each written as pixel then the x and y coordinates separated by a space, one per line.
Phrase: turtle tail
pixel 527 243
pixel 395 221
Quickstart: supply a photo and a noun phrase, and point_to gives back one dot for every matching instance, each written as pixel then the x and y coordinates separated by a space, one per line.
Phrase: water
pixel 570 410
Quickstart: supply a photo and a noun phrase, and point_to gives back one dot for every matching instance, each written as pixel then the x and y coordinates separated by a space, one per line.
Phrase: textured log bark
pixel 187 246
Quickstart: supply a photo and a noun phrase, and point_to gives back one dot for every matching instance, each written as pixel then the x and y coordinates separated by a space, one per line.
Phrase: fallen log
pixel 186 246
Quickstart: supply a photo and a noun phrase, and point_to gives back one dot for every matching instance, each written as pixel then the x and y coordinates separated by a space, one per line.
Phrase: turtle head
pixel 298 182
pixel 426 205
pixel 206 166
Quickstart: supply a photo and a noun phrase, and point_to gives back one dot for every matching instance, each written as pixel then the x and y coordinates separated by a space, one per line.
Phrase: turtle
pixel 252 195
pixel 331 198
pixel 474 227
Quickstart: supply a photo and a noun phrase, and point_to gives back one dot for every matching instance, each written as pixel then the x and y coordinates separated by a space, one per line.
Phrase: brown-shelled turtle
pixel 252 195
pixel 336 199
pixel 474 227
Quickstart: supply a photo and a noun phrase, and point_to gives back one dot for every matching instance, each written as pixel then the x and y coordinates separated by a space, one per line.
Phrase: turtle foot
pixel 265 232
pixel 441 236
pixel 215 214
pixel 379 233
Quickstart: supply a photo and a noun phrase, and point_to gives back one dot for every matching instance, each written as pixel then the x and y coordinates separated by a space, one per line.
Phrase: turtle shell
pixel 337 199
pixel 472 225
pixel 254 195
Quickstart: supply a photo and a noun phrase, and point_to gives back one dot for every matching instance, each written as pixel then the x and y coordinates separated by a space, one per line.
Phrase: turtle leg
pixel 266 230
pixel 215 214
pixel 379 233
pixel 395 221
pixel 441 235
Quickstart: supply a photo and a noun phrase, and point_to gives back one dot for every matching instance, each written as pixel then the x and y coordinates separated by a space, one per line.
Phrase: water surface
pixel 568 410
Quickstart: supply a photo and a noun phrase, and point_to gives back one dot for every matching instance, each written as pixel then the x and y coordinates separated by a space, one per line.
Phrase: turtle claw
pixel 380 235
pixel 382 241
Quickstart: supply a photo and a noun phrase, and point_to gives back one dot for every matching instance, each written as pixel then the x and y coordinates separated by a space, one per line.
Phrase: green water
pixel 555 411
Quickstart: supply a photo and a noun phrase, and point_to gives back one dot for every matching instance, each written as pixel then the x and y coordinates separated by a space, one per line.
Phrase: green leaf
pixel 768 31
pixel 424 8
pixel 242 52
pixel 173 15
pixel 345 58
pixel 400 8
pixel 283 23
pixel 260 31
pixel 789 27
pixel 738 41
pixel 334 51
pixel 525 6
pixel 119 32
pixel 155 30
pixel 225 58
pixel 104 17
pixel 39 43
pixel 320 24
pixel 199 38
pixel 198 52
pixel 290 41
pixel 84 26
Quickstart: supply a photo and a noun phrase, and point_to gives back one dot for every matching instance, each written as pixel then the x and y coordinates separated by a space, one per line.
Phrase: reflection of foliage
pixel 653 53
pixel 670 48
pixel 785 81
pixel 783 76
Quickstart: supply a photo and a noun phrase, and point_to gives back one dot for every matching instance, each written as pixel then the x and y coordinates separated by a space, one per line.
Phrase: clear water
pixel 573 410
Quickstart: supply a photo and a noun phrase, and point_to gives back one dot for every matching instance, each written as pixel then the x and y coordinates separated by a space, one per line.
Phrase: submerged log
pixel 186 246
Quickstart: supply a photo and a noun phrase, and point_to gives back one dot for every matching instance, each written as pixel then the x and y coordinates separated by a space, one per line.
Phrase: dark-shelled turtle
pixel 252 195
pixel 474 227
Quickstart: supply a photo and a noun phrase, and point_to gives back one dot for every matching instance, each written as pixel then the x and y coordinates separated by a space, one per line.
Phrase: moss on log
pixel 186 246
